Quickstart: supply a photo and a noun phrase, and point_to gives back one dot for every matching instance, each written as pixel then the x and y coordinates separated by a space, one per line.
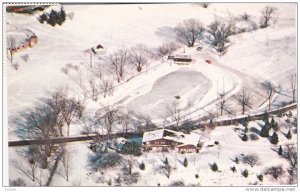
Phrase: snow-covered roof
pixel 153 135
pixel 179 137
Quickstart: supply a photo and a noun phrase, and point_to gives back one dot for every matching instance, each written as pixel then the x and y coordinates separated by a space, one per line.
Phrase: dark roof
pixel 99 46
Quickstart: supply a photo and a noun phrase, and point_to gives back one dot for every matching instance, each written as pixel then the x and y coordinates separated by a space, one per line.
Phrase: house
pixel 166 140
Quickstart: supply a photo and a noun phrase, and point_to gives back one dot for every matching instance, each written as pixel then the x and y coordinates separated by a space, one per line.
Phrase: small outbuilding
pixel 182 59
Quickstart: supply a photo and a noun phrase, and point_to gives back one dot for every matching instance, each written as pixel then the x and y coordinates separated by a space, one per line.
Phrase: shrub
pixel 274 138
pixel 130 179
pixel 131 148
pixel 233 169
pixel 214 167
pixel 16 66
pixel 245 173
pixel 275 171
pixel 253 137
pixel 196 176
pixel 251 159
pixel 177 184
pixel 185 162
pixel 245 137
pixel 19 182
pixel 100 160
pixel 204 5
pixel 142 166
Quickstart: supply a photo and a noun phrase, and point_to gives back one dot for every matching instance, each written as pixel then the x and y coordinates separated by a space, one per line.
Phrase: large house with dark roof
pixel 166 140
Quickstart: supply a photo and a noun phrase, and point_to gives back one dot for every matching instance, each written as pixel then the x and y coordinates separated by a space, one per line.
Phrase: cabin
pixel 164 140
pixel 181 59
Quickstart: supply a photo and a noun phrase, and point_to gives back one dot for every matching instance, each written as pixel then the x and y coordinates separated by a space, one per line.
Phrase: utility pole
pixel 91 59
pixel 217 96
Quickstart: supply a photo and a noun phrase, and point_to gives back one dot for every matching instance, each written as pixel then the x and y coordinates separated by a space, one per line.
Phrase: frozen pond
pixel 191 86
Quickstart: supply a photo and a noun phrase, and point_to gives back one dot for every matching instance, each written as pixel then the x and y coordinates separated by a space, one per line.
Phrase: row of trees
pixel 54 17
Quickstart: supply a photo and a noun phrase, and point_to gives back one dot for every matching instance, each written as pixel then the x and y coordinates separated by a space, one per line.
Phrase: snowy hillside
pixel 160 93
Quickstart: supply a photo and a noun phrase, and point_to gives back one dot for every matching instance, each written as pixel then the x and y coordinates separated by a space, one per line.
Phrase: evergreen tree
pixel 265 118
pixel 214 167
pixel 166 161
pixel 185 162
pixel 280 150
pixel 43 18
pixel 274 124
pixel 237 161
pixel 61 16
pixel 265 131
pixel 245 124
pixel 142 166
pixel 131 148
pixel 245 137
pixel 260 177
pixel 245 173
pixel 289 135
pixel 53 17
pixel 274 138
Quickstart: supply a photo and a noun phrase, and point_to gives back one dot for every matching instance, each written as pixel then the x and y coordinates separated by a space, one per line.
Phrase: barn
pixel 164 140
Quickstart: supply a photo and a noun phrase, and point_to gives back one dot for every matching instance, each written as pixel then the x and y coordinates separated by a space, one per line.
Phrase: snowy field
pixel 252 57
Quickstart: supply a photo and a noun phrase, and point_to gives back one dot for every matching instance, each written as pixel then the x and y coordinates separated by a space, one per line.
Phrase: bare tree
pixel 175 112
pixel 251 159
pixel 293 84
pixel 222 103
pixel 189 31
pixel 291 155
pixel 166 169
pixel 244 98
pixel 66 158
pixel 117 62
pixel 130 161
pixel 11 47
pixel 94 88
pixel 220 33
pixel 71 111
pixel 139 56
pixel 109 117
pixel 24 170
pixel 163 50
pixel 124 119
pixel 56 103
pixel 106 87
pixel 269 89
pixel 40 123
pixel 267 14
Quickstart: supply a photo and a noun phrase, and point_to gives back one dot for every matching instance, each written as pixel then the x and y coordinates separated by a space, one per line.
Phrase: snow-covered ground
pixel 230 146
pixel 255 56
